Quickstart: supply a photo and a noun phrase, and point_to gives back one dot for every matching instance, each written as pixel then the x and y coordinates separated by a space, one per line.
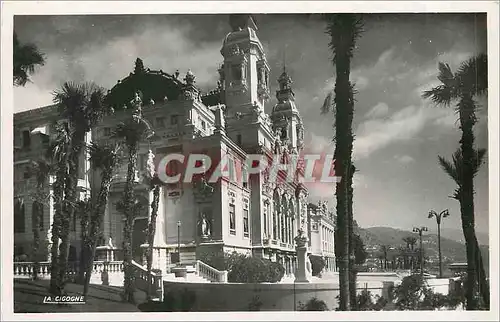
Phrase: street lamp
pixel 420 230
pixel 442 214
pixel 179 242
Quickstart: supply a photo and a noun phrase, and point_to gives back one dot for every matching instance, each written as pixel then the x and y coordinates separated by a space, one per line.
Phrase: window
pixel 37 213
pixel 26 174
pixel 73 223
pixel 232 220
pixel 174 119
pixel 81 165
pixel 283 133
pixel 236 71
pixel 160 121
pixel 26 139
pixel 19 216
pixel 245 184
pixel 107 131
pixel 265 222
pixel 203 125
pixel 246 228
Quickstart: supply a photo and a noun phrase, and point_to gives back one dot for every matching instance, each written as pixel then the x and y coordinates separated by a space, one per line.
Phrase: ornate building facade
pixel 257 217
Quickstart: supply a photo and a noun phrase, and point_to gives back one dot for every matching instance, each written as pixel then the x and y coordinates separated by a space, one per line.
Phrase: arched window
pixel 37 214
pixel 19 220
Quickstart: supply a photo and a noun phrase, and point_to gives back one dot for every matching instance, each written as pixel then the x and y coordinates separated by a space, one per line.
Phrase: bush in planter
pixel 317 264
pixel 255 270
pixel 276 272
pixel 313 305
pixel 173 301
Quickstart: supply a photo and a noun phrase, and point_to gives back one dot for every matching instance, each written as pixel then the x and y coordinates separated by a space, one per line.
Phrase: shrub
pixel 313 305
pixel 255 304
pixel 276 272
pixel 255 270
pixel 364 302
pixel 414 294
pixel 317 264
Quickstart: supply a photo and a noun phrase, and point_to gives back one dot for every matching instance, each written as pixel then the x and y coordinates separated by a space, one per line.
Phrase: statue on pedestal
pixel 205 226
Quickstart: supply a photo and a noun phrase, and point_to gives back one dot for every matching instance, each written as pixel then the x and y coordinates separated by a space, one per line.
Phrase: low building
pixel 321 228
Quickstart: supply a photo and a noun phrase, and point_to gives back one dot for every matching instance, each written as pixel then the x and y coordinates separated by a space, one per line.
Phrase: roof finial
pixel 284 60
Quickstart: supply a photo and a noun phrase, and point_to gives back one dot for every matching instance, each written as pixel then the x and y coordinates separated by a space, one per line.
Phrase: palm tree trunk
pixel 128 203
pixel 96 224
pixel 484 288
pixel 466 106
pixel 70 197
pixel 58 191
pixel 352 271
pixel 151 234
pixel 86 247
pixel 342 166
pixel 36 240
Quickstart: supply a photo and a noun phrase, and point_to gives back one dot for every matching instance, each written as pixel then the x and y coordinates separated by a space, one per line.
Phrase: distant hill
pixel 458 235
pixel 452 250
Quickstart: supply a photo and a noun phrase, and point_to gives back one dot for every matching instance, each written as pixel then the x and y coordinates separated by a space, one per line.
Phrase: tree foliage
pixel 25 58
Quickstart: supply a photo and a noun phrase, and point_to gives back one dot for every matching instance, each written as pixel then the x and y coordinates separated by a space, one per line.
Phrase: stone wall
pixel 218 297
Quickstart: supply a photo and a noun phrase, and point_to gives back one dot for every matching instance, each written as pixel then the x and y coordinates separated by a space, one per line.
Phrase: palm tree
pixel 26 58
pixel 57 153
pixel 384 250
pixel 470 80
pixel 40 169
pixel 104 158
pixel 410 241
pixel 82 105
pixel 82 211
pixel 132 131
pixel 344 30
pixel 455 170
pixel 154 184
pixel 352 249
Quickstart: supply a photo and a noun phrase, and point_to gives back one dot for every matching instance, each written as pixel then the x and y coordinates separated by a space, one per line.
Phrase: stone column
pixel 301 248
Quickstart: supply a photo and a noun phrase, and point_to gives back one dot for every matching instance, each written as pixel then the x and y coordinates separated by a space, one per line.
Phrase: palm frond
pixel 104 156
pixel 133 130
pixel 82 104
pixel 344 29
pixel 479 160
pixel 445 75
pixel 440 95
pixel 328 103
pixel 25 58
pixel 472 75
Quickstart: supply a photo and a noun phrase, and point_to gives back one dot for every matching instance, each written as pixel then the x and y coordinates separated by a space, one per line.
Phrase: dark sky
pixel 398 135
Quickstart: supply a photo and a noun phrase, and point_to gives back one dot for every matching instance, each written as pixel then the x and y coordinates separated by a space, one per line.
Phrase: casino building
pixel 256 217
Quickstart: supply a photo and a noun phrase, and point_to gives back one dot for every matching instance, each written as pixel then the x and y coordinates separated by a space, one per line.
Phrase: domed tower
pixel 245 71
pixel 285 116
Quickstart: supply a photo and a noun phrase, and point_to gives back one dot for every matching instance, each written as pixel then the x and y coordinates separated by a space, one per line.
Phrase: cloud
pixel 378 110
pixel 404 158
pixel 403 125
pixel 160 46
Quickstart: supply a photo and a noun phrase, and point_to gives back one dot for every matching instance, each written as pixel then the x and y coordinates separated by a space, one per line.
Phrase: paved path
pixel 29 295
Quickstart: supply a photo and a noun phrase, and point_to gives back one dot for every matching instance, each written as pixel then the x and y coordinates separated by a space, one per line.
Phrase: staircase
pixel 111 273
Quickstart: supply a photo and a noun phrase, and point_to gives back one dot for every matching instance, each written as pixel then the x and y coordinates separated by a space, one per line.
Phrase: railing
pixel 210 273
pixel 25 269
pixel 141 280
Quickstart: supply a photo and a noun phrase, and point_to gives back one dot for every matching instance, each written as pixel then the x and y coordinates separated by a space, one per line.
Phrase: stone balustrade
pixel 25 269
pixel 210 273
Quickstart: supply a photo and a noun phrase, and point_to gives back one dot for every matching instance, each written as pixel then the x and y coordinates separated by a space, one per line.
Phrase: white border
pixel 147 7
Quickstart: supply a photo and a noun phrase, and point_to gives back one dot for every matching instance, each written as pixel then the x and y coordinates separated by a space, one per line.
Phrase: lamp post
pixel 179 242
pixel 442 214
pixel 420 230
